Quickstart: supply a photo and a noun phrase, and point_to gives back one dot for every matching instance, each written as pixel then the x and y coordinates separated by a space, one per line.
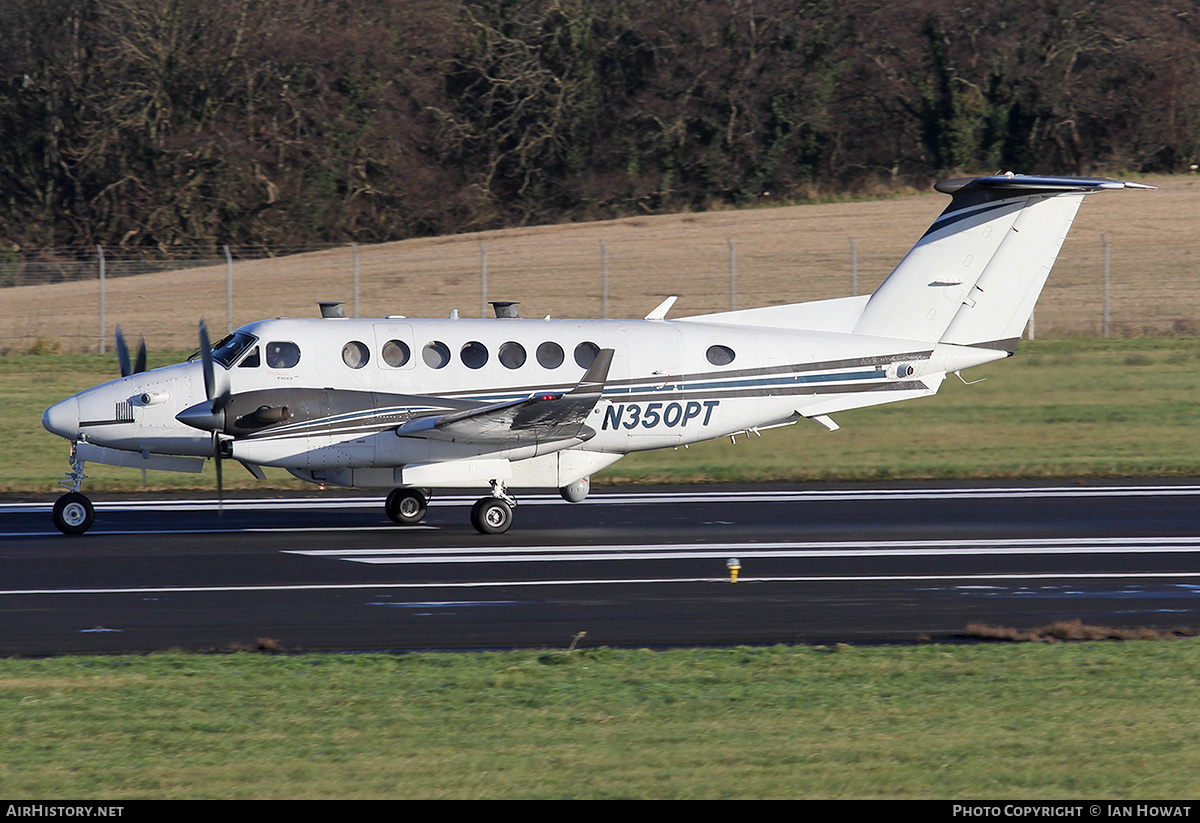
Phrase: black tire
pixel 405 507
pixel 491 515
pixel 73 513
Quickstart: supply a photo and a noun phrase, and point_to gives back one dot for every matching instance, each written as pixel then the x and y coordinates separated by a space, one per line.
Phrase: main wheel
pixel 73 513
pixel 491 515
pixel 405 507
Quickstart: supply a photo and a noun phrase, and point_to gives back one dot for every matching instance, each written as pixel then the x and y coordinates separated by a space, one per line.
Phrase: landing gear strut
pixel 494 515
pixel 73 513
pixel 406 507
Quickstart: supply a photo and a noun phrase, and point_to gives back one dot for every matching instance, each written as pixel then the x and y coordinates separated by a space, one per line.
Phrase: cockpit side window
pixel 227 350
pixel 252 360
pixel 282 354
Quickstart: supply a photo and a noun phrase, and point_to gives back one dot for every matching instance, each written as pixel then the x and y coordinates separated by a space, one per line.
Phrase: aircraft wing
pixel 539 418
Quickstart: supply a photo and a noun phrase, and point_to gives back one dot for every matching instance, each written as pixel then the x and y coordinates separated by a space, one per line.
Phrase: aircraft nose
pixel 63 418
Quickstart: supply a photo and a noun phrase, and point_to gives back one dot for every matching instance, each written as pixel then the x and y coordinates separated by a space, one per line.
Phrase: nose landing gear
pixel 73 513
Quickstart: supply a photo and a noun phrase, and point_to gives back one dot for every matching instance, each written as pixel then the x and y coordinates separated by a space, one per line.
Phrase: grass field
pixel 1027 722
pixel 1059 409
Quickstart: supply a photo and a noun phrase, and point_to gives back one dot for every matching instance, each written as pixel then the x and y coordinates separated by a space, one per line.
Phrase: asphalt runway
pixel 649 566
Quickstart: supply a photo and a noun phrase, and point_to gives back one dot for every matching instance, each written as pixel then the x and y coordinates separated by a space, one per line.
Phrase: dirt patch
pixel 1074 630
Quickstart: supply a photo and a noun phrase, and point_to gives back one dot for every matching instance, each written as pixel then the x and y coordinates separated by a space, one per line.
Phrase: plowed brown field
pixel 783 255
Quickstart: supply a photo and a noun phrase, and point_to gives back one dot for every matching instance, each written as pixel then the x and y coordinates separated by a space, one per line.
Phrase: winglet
pixel 596 376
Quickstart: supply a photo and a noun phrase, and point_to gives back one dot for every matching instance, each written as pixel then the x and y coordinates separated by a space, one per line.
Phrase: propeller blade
pixel 206 359
pixel 139 365
pixel 122 353
pixel 217 401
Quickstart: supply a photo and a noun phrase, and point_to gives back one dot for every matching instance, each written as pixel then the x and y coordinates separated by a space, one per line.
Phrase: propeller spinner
pixel 209 415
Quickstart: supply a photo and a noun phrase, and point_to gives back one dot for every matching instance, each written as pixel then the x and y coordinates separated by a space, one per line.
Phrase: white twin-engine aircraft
pixel 417 404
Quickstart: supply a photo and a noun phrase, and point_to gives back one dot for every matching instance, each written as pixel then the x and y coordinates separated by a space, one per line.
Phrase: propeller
pixel 139 365
pixel 216 406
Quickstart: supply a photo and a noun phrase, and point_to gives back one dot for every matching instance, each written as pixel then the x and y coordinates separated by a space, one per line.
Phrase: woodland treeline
pixel 150 124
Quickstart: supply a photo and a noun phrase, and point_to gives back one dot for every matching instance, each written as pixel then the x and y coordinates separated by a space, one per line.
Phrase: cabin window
pixel 396 353
pixel 585 353
pixel 282 354
pixel 355 354
pixel 474 355
pixel 720 355
pixel 251 361
pixel 512 355
pixel 436 354
pixel 550 355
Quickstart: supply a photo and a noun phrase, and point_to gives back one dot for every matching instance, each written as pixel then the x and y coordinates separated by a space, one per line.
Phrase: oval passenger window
pixel 395 353
pixel 355 354
pixel 585 353
pixel 474 355
pixel 720 355
pixel 436 354
pixel 550 355
pixel 512 355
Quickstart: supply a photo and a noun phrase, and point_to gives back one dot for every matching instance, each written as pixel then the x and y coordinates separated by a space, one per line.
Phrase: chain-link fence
pixel 1121 273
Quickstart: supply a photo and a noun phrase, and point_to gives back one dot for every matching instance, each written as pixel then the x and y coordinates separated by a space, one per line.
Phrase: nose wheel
pixel 73 513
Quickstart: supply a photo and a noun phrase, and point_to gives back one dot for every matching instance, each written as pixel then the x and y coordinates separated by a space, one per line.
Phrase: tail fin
pixel 974 276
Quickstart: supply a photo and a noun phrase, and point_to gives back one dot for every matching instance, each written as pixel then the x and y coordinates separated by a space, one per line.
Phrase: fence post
pixel 603 281
pixel 853 268
pixel 1104 240
pixel 355 247
pixel 732 274
pixel 100 252
pixel 483 280
pixel 229 288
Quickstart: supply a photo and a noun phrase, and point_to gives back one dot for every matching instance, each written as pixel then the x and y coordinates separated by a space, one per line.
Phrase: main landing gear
pixel 73 513
pixel 406 507
pixel 490 515
pixel 494 515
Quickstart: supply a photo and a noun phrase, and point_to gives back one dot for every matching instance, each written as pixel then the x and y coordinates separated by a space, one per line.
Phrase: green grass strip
pixel 1028 721
pixel 1059 409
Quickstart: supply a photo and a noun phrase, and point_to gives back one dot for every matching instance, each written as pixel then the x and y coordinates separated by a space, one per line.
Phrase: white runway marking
pixel 636 498
pixel 742 581
pixel 724 550
pixel 342 503
pixel 718 552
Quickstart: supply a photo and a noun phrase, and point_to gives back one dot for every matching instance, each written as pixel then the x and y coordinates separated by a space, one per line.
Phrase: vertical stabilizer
pixel 974 276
